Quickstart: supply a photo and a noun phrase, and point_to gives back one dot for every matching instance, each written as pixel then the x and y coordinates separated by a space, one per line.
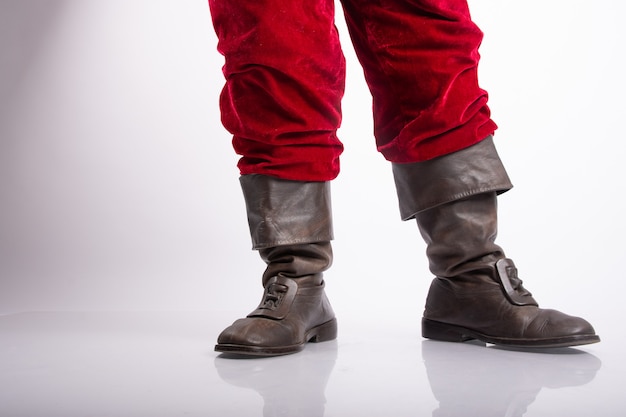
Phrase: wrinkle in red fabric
pixel 285 76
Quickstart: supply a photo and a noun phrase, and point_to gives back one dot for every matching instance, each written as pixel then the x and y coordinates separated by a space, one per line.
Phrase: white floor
pixel 162 364
pixel 118 190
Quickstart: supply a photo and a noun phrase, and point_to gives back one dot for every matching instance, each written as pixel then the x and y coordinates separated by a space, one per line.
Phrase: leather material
pixel 474 170
pixel 476 293
pixel 284 324
pixel 278 297
pixel 305 262
pixel 459 312
pixel 284 212
pixel 512 285
pixel 294 308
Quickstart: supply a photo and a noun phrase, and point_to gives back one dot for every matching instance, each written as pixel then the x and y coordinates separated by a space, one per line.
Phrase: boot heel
pixel 323 332
pixel 444 332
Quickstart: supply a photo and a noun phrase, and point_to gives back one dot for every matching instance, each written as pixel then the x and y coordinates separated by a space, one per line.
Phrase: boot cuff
pixel 474 170
pixel 283 212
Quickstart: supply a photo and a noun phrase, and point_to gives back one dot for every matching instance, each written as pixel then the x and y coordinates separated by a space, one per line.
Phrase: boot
pixel 291 227
pixel 476 293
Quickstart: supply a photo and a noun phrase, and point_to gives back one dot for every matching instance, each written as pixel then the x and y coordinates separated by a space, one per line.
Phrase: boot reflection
pixel 470 379
pixel 291 385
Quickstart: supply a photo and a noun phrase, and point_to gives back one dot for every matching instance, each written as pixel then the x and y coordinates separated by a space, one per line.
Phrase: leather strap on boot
pixel 511 284
pixel 474 170
pixel 280 294
pixel 288 317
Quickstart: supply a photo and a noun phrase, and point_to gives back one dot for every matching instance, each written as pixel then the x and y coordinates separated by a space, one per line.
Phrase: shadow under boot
pixel 290 386
pixel 469 380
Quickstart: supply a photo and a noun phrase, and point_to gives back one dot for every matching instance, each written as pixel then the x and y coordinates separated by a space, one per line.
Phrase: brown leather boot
pixel 476 293
pixel 291 227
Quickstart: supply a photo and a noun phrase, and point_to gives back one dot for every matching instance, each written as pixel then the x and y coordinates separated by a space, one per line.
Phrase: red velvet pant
pixel 285 73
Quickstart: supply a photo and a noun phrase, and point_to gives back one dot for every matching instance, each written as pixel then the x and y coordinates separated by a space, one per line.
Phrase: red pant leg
pixel 285 76
pixel 420 60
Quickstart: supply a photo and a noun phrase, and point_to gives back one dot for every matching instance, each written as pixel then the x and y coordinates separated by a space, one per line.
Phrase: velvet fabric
pixel 285 76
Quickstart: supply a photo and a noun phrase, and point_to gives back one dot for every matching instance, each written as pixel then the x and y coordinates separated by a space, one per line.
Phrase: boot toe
pixel 553 324
pixel 258 336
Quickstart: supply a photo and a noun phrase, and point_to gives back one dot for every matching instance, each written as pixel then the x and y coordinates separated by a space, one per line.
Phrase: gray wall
pixel 118 186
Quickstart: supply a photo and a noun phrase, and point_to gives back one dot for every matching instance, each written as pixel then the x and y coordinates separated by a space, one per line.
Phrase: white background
pixel 119 191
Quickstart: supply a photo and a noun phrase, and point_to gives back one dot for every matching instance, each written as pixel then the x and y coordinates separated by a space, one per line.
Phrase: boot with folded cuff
pixel 477 293
pixel 291 227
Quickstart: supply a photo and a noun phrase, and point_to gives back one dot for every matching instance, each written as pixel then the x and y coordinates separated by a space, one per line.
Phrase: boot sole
pixel 322 333
pixel 450 333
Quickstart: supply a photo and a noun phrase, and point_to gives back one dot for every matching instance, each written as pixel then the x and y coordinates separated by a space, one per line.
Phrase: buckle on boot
pixel 277 298
pixel 512 285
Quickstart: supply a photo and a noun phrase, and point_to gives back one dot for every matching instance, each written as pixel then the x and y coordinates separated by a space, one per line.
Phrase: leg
pixel 284 74
pixel 420 60
pixel 291 227
pixel 476 293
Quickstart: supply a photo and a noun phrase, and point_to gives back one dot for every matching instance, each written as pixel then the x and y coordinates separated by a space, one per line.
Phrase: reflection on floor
pixel 162 364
